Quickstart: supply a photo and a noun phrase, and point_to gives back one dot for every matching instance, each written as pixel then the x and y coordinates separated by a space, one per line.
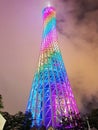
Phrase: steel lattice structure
pixel 51 95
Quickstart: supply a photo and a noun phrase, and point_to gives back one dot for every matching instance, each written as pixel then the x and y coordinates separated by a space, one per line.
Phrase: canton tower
pixel 51 95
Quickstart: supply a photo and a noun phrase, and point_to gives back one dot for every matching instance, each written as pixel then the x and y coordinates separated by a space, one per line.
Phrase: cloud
pixel 77 21
pixel 85 95
pixel 86 6
pixel 89 103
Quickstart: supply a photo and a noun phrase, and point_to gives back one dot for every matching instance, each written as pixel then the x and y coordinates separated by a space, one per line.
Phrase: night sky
pixel 20 39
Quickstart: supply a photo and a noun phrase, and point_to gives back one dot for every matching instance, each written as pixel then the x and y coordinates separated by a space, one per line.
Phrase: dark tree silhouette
pixel 27 121
pixel 93 118
pixel 19 121
pixel 1 103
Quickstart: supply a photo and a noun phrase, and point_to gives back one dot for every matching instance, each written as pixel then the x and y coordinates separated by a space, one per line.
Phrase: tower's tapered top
pixel 49 27
pixel 48 9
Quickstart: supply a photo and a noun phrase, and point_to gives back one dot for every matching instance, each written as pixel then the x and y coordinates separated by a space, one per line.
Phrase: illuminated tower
pixel 51 96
